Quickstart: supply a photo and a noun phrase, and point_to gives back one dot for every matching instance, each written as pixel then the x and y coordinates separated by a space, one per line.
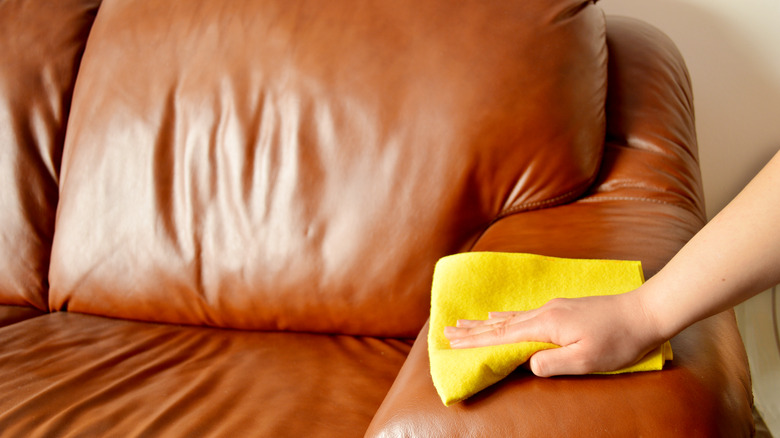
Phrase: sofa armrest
pixel 704 392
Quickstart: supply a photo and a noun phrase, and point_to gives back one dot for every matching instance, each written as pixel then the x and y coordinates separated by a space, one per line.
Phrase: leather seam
pixel 626 198
pixel 551 201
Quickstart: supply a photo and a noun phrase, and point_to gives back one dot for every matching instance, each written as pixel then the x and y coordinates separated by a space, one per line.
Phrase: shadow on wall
pixel 736 90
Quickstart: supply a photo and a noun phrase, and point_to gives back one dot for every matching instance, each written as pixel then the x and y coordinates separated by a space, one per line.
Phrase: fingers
pixel 472 329
pixel 494 317
pixel 504 331
pixel 468 323
pixel 495 323
pixel 498 315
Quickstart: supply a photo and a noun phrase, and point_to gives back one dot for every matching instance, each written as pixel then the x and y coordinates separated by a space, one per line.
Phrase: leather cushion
pixel 67 374
pixel 303 164
pixel 41 43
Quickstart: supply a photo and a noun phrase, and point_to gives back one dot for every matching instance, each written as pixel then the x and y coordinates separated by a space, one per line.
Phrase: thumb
pixel 559 361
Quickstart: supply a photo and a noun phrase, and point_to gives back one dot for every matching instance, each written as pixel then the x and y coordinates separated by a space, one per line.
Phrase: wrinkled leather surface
pixel 41 43
pixel 67 374
pixel 301 165
pixel 645 204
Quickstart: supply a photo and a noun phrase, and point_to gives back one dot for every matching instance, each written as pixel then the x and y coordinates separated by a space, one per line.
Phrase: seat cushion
pixel 66 374
pixel 301 165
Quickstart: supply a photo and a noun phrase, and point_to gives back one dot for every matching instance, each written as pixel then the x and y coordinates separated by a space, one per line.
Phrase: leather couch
pixel 221 218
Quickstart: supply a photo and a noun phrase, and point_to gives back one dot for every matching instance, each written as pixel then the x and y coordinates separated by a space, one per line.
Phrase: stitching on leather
pixel 524 207
pixel 627 198
pixel 535 204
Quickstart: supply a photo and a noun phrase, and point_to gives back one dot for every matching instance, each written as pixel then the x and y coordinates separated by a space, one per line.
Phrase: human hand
pixel 596 334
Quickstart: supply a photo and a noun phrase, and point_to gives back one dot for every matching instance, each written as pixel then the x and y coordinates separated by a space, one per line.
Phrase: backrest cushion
pixel 41 43
pixel 301 165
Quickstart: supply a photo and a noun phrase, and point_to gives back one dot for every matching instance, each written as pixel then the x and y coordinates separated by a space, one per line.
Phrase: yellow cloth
pixel 469 285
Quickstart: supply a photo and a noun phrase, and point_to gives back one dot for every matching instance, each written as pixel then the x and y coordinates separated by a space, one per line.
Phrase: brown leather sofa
pixel 220 218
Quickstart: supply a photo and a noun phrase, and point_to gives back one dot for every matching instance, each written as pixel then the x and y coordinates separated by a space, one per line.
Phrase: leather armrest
pixel 704 391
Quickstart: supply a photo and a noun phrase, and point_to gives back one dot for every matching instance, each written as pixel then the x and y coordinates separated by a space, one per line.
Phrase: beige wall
pixel 732 48
pixel 733 53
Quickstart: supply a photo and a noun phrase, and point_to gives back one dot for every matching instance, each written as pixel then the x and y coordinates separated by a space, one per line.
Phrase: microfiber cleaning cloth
pixel 469 285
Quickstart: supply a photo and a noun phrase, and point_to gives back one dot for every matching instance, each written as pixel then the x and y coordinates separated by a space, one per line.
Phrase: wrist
pixel 655 314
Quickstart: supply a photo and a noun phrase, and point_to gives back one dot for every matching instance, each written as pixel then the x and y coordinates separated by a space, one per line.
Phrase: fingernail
pixel 454 342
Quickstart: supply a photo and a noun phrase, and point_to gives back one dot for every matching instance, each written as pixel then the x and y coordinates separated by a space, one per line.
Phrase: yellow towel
pixel 469 285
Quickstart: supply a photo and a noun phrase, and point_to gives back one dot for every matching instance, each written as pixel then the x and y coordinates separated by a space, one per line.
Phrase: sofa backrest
pixel 41 44
pixel 301 165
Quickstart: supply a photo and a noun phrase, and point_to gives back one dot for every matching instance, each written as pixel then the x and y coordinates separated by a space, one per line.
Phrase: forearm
pixel 732 258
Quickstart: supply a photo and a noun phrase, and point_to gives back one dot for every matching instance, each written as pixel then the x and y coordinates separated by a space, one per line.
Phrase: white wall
pixel 732 48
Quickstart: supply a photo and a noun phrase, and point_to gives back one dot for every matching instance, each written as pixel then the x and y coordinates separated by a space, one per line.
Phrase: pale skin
pixel 735 256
